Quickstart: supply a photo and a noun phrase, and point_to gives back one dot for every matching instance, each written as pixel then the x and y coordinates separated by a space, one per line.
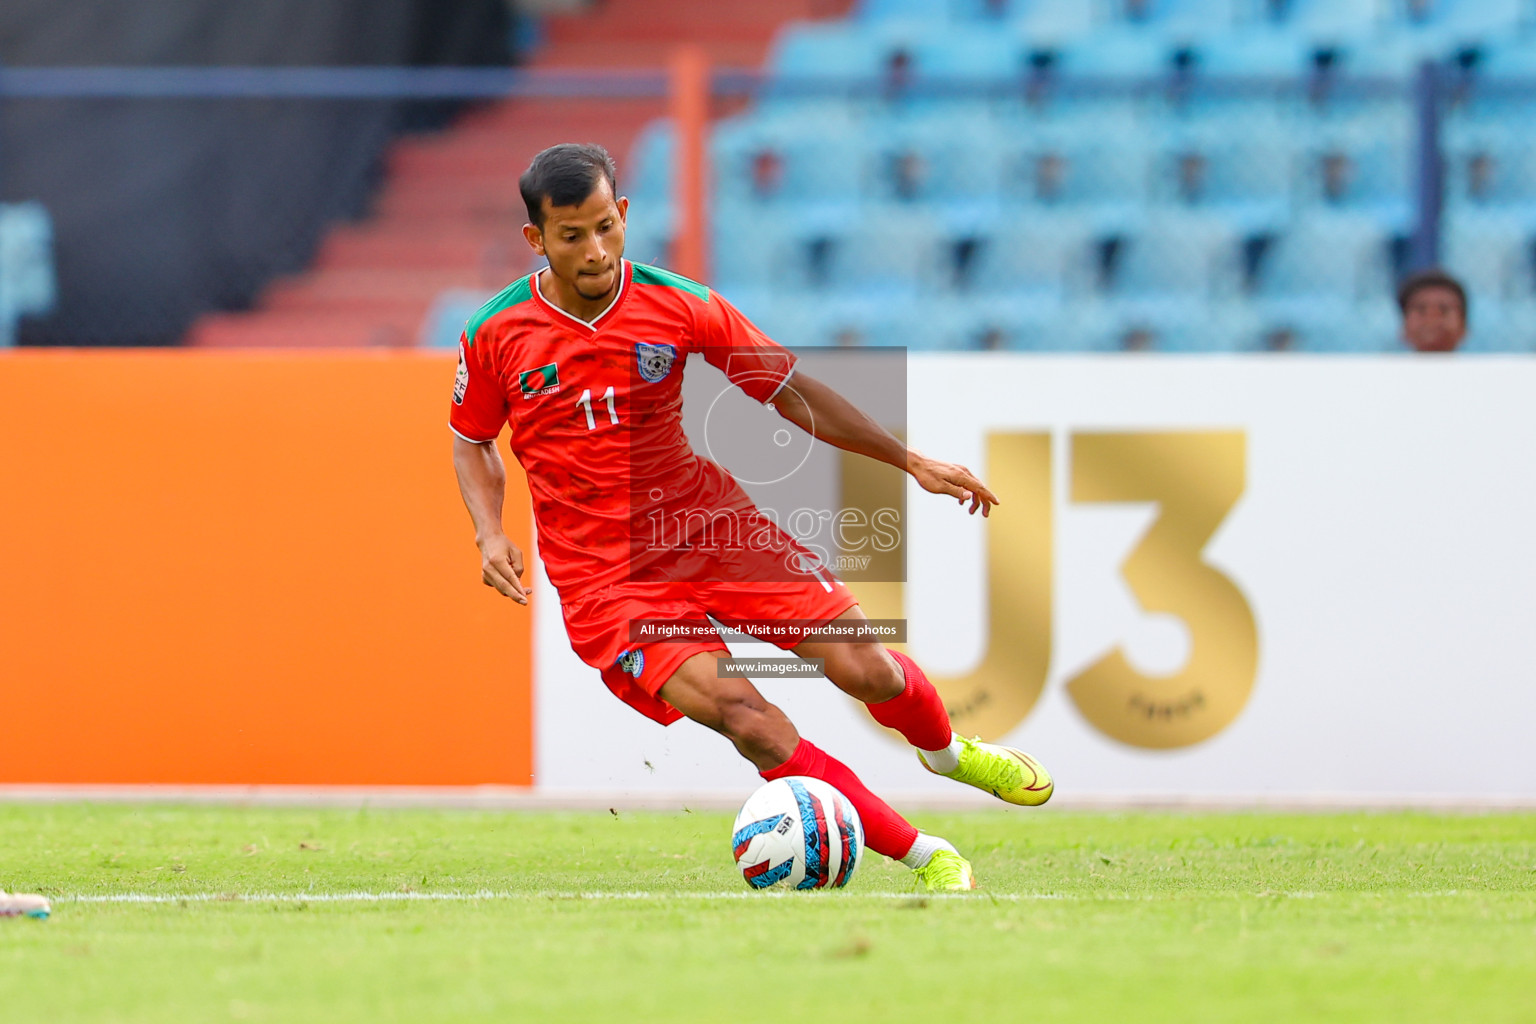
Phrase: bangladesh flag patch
pixel 541 380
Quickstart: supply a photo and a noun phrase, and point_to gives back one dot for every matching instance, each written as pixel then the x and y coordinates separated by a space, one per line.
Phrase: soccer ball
pixel 797 833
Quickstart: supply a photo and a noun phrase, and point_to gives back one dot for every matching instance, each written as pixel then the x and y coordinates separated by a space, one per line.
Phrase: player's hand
pixel 951 479
pixel 501 563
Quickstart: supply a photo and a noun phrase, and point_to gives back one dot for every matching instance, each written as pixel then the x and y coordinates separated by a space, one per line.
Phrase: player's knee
pixel 871 675
pixel 758 729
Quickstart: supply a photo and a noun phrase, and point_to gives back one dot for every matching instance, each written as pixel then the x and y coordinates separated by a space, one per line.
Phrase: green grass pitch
pixel 169 914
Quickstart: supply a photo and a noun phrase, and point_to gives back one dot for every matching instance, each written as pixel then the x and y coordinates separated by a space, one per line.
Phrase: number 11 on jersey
pixel 584 403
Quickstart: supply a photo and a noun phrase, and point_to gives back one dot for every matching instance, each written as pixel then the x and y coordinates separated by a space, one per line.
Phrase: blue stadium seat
pixel 848 67
pixel 1014 323
pixel 649 231
pixel 1120 54
pixel 1249 55
pixel 27 286
pixel 817 162
pixel 1183 18
pixel 1243 170
pixel 755 250
pixel 450 311
pixel 843 320
pixel 1369 172
pixel 788 317
pixel 1461 20
pixel 890 254
pixel 1177 260
pixel 1040 259
pixel 1507 59
pixel 1490 167
pixel 1398 56
pixel 1224 327
pixel 958 162
pixel 1090 327
pixel 922 11
pixel 1190 328
pixel 1049 21
pixel 1320 20
pixel 1331 325
pixel 1493 253
pixel 1500 327
pixel 1034 20
pixel 821 49
pixel 1097 169
pixel 969 53
pixel 1326 257
pixel 648 173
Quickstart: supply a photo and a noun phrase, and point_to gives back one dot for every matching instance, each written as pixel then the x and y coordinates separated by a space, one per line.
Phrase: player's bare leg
pixel 20 904
pixel 734 708
pixel 764 735
pixel 900 696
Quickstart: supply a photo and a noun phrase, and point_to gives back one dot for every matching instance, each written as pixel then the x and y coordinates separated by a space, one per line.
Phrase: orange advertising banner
pixel 249 568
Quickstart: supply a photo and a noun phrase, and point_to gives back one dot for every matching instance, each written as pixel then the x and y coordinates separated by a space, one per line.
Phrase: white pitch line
pixel 642 896
pixel 408 897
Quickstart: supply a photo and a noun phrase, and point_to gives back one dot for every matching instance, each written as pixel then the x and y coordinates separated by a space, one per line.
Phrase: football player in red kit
pixel 584 361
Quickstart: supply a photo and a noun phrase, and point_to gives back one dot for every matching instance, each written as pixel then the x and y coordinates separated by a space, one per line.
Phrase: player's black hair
pixel 1432 278
pixel 565 175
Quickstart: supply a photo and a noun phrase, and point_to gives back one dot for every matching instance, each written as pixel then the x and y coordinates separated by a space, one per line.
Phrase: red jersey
pixel 596 412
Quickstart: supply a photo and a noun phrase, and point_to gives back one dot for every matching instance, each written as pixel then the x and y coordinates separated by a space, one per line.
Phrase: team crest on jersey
pixel 461 379
pixel 655 360
pixel 541 380
pixel 632 662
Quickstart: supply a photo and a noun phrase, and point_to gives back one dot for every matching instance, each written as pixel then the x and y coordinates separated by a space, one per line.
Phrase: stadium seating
pixel 1170 175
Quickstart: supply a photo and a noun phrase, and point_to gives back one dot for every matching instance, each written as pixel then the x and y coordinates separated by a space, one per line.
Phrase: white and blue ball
pixel 797 833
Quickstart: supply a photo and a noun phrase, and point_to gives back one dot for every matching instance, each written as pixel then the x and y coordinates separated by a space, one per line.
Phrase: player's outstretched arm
pixel 827 415
pixel 483 484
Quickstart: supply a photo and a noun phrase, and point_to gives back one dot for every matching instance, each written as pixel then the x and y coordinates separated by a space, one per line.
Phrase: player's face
pixel 584 244
pixel 1433 320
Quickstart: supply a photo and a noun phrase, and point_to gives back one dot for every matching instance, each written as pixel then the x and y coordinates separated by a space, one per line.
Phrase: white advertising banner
pixel 1215 578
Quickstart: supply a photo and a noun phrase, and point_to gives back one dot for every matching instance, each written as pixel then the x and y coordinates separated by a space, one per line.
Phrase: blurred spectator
pixel 992 339
pixel 1191 178
pixel 847 337
pixel 1418 11
pixel 1136 11
pixel 1336 172
pixel 1480 170
pixel 767 174
pixel 1434 306
pixel 909 175
pixel 1050 177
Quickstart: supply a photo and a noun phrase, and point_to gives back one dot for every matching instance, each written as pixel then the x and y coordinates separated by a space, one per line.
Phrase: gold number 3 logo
pixel 1195 477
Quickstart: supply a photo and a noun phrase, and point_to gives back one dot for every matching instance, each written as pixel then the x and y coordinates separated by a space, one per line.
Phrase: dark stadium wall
pixel 167 208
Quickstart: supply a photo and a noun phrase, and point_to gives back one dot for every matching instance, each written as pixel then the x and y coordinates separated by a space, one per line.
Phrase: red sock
pixel 916 712
pixel 885 831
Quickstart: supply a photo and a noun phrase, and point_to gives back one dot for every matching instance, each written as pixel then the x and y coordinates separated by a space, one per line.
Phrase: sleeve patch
pixel 461 379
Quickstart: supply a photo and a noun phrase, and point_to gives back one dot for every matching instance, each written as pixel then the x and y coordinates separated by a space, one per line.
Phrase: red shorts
pixel 599 627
